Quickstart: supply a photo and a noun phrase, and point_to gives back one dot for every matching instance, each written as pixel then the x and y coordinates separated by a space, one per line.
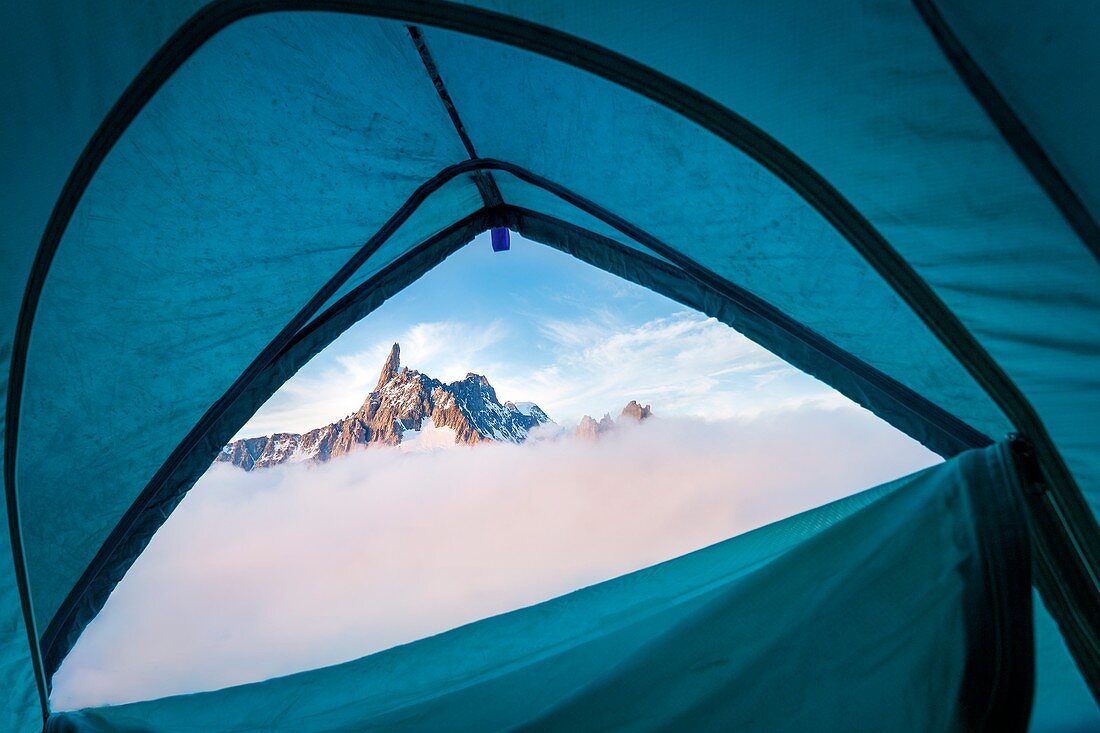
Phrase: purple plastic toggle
pixel 501 239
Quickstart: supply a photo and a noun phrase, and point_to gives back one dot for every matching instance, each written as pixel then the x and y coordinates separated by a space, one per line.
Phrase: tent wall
pixel 21 710
pixel 1063 701
pixel 55 98
pixel 230 201
pixel 864 95
pixel 1040 59
pixel 238 190
pixel 237 197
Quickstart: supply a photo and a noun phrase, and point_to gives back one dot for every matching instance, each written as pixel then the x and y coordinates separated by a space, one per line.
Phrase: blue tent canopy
pixel 900 198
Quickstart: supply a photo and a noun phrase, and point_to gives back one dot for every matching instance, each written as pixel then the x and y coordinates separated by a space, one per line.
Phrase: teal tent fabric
pixel 899 197
pixel 281 162
pixel 21 709
pixel 853 616
pixel 1047 84
pixel 901 136
pixel 1062 699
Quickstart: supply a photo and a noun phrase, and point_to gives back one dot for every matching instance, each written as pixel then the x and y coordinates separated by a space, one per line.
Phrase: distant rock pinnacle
pixel 636 412
pixel 590 429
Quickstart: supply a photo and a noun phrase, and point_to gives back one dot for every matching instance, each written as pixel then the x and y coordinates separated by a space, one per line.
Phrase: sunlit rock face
pixel 403 403
pixel 636 412
pixel 590 429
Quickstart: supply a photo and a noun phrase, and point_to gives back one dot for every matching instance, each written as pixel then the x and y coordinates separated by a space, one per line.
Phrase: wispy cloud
pixel 448 350
pixel 270 572
pixel 686 364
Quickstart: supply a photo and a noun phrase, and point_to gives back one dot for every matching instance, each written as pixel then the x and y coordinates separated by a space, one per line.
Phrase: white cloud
pixel 448 350
pixel 266 573
pixel 685 364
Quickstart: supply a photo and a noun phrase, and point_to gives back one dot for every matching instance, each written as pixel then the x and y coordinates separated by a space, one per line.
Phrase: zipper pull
pixel 1027 465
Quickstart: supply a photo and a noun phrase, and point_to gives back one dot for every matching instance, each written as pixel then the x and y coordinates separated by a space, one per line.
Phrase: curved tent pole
pixel 486 186
pixel 1052 513
pixel 942 432
pixel 1069 538
pixel 149 496
pixel 1012 128
pixel 181 470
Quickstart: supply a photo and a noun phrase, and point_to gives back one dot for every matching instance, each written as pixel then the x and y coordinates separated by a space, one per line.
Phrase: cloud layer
pixel 266 573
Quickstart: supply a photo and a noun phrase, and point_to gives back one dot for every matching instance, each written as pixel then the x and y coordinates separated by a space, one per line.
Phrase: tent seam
pixel 1015 133
pixel 1000 665
pixel 486 185
pixel 150 495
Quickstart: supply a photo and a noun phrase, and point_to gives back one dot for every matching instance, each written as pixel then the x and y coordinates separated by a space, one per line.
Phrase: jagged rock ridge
pixel 590 429
pixel 636 412
pixel 404 400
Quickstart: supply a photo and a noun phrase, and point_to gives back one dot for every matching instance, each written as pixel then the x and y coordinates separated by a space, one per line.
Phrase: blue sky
pixel 547 328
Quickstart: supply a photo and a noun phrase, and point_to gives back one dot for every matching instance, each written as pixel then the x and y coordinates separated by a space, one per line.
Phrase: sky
pixel 270 572
pixel 545 328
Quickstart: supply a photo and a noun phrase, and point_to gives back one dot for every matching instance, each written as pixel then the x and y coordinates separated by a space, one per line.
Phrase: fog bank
pixel 279 570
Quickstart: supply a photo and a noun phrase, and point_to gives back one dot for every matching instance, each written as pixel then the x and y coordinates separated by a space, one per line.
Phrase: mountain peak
pixel 636 412
pixel 403 405
pixel 391 367
pixel 590 429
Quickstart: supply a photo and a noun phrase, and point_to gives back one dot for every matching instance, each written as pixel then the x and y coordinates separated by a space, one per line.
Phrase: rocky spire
pixel 391 367
pixel 587 428
pixel 635 411
pixel 404 403
pixel 590 429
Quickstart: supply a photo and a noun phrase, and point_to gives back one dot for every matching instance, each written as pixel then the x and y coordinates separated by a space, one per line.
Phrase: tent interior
pixel 897 198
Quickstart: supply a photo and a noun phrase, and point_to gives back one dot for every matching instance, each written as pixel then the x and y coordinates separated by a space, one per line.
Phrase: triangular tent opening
pixel 335 526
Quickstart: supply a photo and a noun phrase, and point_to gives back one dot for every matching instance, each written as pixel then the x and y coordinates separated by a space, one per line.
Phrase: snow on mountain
pixel 428 438
pixel 407 409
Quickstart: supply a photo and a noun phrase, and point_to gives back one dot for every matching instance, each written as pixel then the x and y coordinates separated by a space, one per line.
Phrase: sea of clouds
pixel 278 570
